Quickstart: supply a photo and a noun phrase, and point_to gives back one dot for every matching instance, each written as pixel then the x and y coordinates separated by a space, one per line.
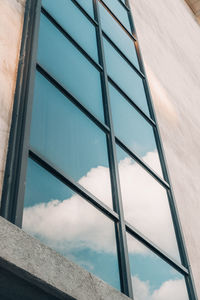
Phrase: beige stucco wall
pixel 11 21
pixel 169 38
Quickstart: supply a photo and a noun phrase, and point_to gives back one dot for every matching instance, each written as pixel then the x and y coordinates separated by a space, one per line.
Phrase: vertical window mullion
pixel 15 173
pixel 123 258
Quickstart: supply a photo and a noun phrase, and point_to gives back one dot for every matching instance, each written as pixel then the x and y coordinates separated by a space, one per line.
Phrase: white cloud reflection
pixel 168 290
pixel 73 223
pixel 146 204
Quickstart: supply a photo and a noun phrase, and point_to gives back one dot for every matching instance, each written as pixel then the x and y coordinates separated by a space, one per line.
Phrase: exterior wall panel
pixel 169 38
pixel 11 22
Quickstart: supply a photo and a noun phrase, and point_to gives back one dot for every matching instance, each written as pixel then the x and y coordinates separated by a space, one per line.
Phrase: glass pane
pixel 88 6
pixel 153 278
pixel 125 76
pixel 64 62
pixel 134 130
pixel 145 204
pixel 66 137
pixel 118 35
pixel 119 11
pixel 67 223
pixel 74 22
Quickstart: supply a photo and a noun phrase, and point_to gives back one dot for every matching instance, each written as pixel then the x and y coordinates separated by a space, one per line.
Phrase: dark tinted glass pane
pixel 66 137
pixel 153 278
pixel 118 35
pixel 87 5
pixel 75 23
pixel 145 204
pixel 67 223
pixel 125 76
pixel 119 11
pixel 64 62
pixel 134 130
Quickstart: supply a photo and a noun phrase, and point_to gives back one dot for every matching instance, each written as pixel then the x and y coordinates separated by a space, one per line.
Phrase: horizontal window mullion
pixel 94 22
pixel 76 187
pixel 120 90
pixel 134 232
pixel 71 39
pixel 123 55
pixel 114 16
pixel 142 163
pixel 75 101
pixel 124 5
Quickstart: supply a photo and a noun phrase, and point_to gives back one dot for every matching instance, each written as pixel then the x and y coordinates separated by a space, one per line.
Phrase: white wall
pixel 169 38
pixel 11 21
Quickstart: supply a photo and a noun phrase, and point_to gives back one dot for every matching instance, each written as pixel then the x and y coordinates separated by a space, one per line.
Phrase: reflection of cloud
pixel 171 289
pixel 141 289
pixel 152 159
pixel 101 191
pixel 70 224
pixel 146 205
pixel 73 223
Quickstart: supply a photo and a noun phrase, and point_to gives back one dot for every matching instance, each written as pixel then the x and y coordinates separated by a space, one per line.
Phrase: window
pixel 87 148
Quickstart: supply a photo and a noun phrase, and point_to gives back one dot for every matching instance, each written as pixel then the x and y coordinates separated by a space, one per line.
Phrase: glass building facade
pixel 96 186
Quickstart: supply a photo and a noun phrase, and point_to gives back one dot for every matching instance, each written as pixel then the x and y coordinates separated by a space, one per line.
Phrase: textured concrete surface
pixel 169 39
pixel 27 253
pixel 11 21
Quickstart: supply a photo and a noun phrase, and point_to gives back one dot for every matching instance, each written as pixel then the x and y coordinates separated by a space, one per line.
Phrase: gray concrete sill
pixel 30 259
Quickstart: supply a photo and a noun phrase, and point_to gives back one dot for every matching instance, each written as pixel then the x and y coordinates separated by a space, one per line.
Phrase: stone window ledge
pixel 35 262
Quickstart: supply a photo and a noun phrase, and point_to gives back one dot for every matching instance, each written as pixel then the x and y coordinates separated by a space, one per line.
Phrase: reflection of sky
pixel 41 188
pixel 56 215
pixel 65 136
pixel 73 21
pixel 64 221
pixel 125 76
pixel 69 67
pixel 118 35
pixel 87 5
pixel 153 278
pixel 145 203
pixel 142 266
pixel 102 264
pixel 132 128
pixel 119 11
pixel 70 225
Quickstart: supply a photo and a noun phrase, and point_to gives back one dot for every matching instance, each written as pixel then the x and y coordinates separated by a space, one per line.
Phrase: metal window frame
pixel 19 151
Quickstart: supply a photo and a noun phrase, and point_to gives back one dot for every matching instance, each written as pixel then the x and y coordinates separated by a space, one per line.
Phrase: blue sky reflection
pixel 153 278
pixel 63 220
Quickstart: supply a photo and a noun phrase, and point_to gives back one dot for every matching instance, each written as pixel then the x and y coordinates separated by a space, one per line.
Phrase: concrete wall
pixel 169 38
pixel 11 22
